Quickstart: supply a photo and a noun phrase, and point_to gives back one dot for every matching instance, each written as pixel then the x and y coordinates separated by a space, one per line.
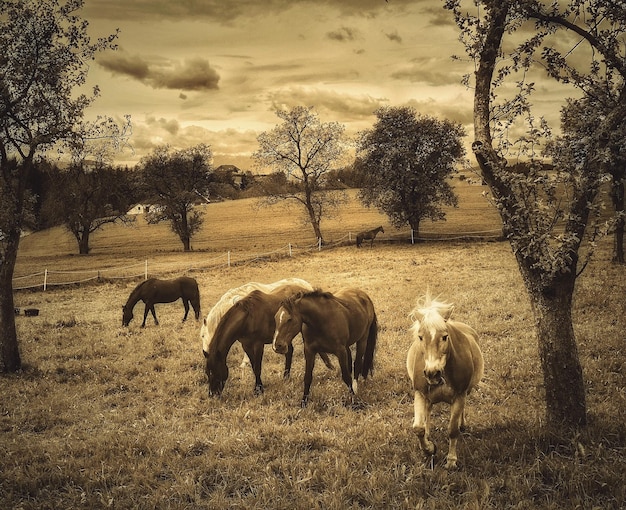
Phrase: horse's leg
pixel 288 360
pixel 421 422
pixel 156 321
pixel 186 305
pixel 256 358
pixel 358 359
pixel 309 364
pixel 326 360
pixel 145 314
pixel 345 362
pixel 456 417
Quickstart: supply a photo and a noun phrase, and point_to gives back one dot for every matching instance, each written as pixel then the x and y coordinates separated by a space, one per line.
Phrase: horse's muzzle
pixel 434 377
pixel 280 349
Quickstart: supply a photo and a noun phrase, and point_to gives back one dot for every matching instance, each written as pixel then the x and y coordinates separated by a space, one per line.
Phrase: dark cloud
pixel 191 75
pixel 343 34
pixel 394 36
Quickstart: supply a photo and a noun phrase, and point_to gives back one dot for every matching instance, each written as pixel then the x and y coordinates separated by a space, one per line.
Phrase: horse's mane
pixel 232 296
pixel 430 311
pixel 132 299
pixel 289 302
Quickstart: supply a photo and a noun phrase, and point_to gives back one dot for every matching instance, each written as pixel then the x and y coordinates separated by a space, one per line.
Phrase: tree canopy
pixel 174 182
pixel 406 159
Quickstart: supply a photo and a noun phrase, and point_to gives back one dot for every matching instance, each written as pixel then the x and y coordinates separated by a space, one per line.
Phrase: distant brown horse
pixel 444 364
pixel 368 235
pixel 153 291
pixel 330 323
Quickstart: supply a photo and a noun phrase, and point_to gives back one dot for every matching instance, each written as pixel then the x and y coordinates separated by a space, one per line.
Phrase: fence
pixel 53 278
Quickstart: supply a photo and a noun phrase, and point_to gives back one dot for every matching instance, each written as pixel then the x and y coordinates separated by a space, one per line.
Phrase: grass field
pixel 110 417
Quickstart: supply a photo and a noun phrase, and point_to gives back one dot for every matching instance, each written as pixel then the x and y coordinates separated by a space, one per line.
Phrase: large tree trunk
pixel 11 361
pixel 550 296
pixel 562 372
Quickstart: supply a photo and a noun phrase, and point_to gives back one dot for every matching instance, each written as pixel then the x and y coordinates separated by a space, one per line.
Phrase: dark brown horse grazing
pixel 330 323
pixel 444 364
pixel 251 321
pixel 153 291
pixel 368 235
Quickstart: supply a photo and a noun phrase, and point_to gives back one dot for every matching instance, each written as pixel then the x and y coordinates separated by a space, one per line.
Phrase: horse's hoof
pixel 259 390
pixel 452 465
pixel 304 402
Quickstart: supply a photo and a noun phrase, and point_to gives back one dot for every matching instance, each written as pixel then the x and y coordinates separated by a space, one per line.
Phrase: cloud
pixel 394 36
pixel 341 106
pixel 343 34
pixel 195 74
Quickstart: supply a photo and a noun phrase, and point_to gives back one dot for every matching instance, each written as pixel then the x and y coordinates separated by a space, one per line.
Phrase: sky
pixel 216 71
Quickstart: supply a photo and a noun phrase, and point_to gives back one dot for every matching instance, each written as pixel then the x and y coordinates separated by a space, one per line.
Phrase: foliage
pixel 85 199
pixel 546 234
pixel 305 150
pixel 175 181
pixel 406 160
pixel 45 52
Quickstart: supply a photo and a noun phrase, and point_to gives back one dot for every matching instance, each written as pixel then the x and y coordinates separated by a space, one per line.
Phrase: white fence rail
pixel 48 278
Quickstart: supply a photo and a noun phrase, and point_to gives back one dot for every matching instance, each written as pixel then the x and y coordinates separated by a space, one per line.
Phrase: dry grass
pixel 105 416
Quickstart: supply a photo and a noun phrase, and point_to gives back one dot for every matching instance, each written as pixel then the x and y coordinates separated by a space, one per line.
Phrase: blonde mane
pixel 230 297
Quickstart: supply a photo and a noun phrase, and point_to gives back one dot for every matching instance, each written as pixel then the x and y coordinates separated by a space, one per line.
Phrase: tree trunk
pixel 11 361
pixel 617 195
pixel 83 243
pixel 558 352
pixel 415 227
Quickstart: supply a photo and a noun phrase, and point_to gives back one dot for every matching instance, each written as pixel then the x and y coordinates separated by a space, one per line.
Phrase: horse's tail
pixel 370 348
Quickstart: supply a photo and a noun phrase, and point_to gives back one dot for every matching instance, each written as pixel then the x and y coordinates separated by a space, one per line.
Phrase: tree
pixel 407 159
pixel 85 199
pixel 44 57
pixel 545 232
pixel 175 181
pixel 305 149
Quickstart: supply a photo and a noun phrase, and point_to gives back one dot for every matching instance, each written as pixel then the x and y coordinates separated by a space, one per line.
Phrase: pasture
pixel 104 416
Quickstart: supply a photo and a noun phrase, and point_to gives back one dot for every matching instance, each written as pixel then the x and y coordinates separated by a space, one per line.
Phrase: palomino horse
pixel 368 235
pixel 251 321
pixel 153 291
pixel 330 323
pixel 230 298
pixel 444 364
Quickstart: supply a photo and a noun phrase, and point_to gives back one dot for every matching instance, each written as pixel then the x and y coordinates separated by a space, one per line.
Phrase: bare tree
pixel 44 56
pixel 305 150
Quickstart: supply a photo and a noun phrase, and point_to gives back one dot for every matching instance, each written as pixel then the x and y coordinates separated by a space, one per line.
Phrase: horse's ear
pixel 448 312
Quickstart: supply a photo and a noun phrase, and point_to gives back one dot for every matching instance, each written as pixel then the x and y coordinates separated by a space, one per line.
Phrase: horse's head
pixel 216 371
pixel 288 325
pixel 127 315
pixel 431 330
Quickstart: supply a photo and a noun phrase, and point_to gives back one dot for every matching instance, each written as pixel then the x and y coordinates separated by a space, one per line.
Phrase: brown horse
pixel 251 321
pixel 330 323
pixel 153 291
pixel 368 235
pixel 444 364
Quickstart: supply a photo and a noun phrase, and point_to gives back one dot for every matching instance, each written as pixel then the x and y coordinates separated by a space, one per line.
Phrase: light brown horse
pixel 330 323
pixel 444 364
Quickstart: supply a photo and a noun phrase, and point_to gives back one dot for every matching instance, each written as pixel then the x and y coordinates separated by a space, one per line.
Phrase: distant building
pixel 236 174
pixel 139 209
